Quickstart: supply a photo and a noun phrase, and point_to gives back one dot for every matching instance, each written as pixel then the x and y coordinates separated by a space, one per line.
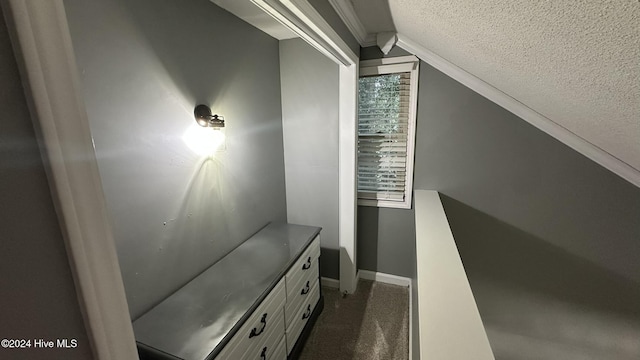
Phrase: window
pixel 387 102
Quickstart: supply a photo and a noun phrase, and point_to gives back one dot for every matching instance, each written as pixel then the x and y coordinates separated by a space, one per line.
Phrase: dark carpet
pixel 371 324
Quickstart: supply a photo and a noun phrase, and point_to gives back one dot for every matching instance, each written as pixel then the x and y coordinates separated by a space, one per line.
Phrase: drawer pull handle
pixel 305 291
pixel 307 313
pixel 307 265
pixel 255 331
pixel 263 354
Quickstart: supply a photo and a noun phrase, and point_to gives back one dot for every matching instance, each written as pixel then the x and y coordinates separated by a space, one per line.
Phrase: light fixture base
pixel 205 118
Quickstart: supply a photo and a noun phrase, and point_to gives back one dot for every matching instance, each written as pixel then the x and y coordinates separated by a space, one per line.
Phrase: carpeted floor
pixel 371 324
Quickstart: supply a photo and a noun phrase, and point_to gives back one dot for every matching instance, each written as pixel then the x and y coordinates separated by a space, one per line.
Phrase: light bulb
pixel 204 141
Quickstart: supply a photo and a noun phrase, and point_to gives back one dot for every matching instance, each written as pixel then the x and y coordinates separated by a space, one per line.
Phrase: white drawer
pixel 276 352
pixel 267 317
pixel 302 292
pixel 267 349
pixel 280 352
pixel 302 316
pixel 302 266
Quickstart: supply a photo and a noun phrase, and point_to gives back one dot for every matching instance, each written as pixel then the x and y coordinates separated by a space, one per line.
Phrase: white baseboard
pixel 329 282
pixel 370 275
pixel 385 278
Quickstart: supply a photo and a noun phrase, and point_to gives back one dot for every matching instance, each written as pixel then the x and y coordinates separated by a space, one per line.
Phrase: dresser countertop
pixel 198 319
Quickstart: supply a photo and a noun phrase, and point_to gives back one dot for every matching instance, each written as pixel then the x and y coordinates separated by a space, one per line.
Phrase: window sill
pixel 406 204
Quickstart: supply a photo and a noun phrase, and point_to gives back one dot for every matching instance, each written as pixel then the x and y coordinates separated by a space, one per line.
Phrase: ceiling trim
pixel 541 122
pixel 300 17
pixel 253 15
pixel 348 15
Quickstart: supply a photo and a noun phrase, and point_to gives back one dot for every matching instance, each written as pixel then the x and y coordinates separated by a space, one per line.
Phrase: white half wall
pixel 450 326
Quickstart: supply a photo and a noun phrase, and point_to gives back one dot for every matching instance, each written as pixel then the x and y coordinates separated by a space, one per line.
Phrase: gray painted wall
pixel 548 238
pixel 310 126
pixel 39 299
pixel 386 240
pixel 145 64
pixel 386 237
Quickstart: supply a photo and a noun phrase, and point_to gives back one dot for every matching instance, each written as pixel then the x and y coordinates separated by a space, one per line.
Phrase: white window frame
pixel 393 65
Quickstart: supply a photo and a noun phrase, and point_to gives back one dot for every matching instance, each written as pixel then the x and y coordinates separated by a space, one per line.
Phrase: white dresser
pixel 258 302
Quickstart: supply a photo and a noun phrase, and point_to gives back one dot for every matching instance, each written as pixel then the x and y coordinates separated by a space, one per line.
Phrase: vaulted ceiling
pixel 573 64
pixel 576 63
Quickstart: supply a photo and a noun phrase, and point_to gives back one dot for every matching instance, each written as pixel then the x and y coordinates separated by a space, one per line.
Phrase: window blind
pixel 383 124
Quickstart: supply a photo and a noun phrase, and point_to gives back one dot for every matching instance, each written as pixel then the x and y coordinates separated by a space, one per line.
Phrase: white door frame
pixel 304 20
pixel 40 35
pixel 42 43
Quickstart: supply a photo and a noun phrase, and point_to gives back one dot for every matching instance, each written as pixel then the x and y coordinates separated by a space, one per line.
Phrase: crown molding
pixel 370 40
pixel 564 135
pixel 301 17
pixel 348 15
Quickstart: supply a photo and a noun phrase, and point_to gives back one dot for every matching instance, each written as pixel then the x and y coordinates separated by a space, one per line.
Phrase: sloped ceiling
pixel 577 63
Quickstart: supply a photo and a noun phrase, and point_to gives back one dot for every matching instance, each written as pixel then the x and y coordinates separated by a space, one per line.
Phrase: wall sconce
pixel 205 118
pixel 206 142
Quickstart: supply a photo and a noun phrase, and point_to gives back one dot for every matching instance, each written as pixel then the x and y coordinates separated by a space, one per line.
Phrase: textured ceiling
pixel 575 62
